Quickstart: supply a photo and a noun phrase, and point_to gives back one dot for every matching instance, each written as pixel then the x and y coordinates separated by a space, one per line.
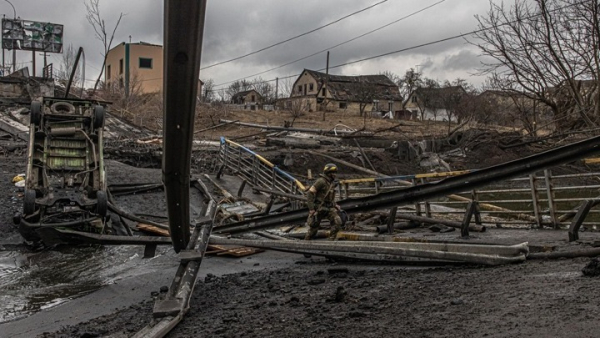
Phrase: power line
pixel 428 43
pixel 293 38
pixel 339 44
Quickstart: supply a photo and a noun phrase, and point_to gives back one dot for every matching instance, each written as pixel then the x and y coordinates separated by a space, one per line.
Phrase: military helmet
pixel 330 168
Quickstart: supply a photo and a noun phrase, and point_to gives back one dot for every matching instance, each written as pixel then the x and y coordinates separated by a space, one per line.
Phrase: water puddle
pixel 33 281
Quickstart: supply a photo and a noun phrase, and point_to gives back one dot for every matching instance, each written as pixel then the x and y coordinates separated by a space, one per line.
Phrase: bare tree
pixel 365 94
pixel 238 86
pixel 209 91
pixel 395 78
pixel 546 50
pixel 409 82
pixel 265 89
pixel 66 67
pixel 126 98
pixel 97 22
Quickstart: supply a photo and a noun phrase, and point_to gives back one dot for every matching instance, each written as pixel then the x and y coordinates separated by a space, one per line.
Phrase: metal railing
pixel 540 199
pixel 258 171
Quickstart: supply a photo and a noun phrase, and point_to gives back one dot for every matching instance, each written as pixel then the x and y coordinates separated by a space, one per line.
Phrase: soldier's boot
pixel 333 234
pixel 311 233
pixel 337 226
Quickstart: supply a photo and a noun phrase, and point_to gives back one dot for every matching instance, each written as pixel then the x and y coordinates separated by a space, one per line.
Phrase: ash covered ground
pixel 315 297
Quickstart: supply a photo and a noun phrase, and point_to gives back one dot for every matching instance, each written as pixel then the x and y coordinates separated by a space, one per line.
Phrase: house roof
pixel 435 97
pixel 349 88
pixel 244 93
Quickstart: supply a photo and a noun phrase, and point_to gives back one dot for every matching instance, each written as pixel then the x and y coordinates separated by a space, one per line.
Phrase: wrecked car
pixel 65 180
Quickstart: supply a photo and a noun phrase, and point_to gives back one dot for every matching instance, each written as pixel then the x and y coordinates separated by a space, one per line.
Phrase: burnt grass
pixel 536 298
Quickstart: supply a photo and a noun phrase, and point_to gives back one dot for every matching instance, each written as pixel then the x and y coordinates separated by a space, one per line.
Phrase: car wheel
pixel 35 113
pixel 101 203
pixel 98 117
pixel 29 202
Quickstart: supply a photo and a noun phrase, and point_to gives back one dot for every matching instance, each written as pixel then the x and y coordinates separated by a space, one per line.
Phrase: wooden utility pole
pixel 33 62
pixel 324 89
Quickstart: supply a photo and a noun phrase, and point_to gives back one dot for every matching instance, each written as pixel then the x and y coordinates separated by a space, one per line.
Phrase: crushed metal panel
pixel 238 208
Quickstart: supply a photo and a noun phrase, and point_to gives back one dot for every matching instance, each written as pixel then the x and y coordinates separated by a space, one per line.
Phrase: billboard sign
pixel 32 35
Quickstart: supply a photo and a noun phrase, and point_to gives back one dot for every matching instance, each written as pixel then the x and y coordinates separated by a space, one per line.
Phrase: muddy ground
pixel 315 297
pixel 322 299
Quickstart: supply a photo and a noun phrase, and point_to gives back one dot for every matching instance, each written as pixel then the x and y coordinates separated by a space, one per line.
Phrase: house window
pixel 391 105
pixel 323 92
pixel 310 87
pixel 253 100
pixel 300 89
pixel 146 63
pixel 343 105
pixel 413 99
pixel 120 66
pixel 108 72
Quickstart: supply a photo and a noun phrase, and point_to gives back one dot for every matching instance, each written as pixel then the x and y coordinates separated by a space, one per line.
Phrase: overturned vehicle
pixel 65 180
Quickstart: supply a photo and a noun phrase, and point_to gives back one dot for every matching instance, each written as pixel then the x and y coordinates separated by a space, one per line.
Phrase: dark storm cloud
pixel 237 27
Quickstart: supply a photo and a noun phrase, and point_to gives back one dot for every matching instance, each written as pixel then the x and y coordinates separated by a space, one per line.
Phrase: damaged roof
pixel 244 93
pixel 354 88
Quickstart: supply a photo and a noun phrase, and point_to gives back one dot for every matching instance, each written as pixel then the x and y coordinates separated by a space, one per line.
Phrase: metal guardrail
pixel 257 170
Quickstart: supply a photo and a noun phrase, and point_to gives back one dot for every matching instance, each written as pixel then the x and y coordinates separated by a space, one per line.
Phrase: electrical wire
pixel 420 45
pixel 294 37
pixel 339 44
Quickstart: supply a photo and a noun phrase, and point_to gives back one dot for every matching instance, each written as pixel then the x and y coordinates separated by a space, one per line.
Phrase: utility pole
pixel 324 90
pixel 276 89
pixel 3 64
pixel 13 46
pixel 33 62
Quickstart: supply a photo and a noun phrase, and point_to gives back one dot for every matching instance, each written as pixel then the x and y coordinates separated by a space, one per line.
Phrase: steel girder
pixel 184 27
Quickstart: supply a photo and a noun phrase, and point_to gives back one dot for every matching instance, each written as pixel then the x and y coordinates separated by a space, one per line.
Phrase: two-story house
pixel 137 64
pixel 319 91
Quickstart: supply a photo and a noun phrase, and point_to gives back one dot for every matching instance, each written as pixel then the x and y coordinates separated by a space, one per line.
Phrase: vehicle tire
pixel 101 203
pixel 98 117
pixel 29 202
pixel 62 108
pixel 35 113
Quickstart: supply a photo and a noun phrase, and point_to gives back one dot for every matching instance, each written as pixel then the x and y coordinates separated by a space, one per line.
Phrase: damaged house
pixel 251 97
pixel 316 91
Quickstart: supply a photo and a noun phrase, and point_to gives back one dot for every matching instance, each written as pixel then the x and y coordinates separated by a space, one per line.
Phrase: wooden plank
pixel 152 229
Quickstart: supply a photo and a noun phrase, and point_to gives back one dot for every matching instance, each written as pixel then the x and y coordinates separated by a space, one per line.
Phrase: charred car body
pixel 65 179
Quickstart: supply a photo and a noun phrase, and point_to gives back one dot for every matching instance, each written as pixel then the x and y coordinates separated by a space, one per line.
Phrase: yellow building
pixel 137 64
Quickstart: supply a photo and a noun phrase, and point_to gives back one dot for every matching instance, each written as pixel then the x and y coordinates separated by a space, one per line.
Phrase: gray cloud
pixel 237 27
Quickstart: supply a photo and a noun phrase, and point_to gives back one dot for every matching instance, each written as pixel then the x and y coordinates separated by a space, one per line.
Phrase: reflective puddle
pixel 33 281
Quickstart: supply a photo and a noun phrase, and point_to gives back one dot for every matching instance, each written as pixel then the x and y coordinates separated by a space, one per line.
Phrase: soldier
pixel 321 203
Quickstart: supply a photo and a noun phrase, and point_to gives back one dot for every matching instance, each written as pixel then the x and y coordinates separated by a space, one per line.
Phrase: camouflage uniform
pixel 323 202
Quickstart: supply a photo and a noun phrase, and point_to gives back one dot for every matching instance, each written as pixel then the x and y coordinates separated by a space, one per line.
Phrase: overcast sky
pixel 237 27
